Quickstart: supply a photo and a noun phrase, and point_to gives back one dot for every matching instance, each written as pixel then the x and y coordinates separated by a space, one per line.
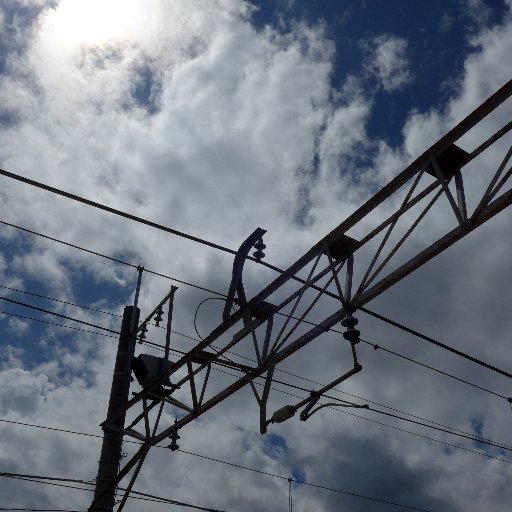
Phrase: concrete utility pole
pixel 112 439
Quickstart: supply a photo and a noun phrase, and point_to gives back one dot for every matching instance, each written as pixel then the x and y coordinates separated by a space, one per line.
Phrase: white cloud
pixel 19 327
pixel 387 60
pixel 244 129
pixel 478 11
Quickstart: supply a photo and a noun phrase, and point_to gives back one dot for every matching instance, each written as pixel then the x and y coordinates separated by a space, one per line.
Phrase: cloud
pixel 199 121
pixel 387 61
pixel 478 11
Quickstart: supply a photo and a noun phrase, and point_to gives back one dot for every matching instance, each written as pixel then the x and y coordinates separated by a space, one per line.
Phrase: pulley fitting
pixel 351 334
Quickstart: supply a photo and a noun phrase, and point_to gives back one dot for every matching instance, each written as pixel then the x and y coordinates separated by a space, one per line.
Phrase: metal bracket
pixel 236 286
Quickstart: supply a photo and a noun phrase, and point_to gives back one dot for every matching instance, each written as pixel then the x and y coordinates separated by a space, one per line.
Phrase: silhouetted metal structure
pixel 437 173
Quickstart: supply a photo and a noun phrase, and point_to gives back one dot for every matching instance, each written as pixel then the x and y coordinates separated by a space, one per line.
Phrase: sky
pixel 214 118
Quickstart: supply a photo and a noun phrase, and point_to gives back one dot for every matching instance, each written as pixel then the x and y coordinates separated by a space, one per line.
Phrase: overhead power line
pixel 220 461
pixel 12 509
pixel 375 346
pixel 160 347
pixel 114 211
pixel 149 497
pixel 487 390
pixel 129 216
pixel 447 430
pixel 32 294
pixel 438 426
pixel 437 343
pixel 365 310
pixel 107 257
pixel 138 495
pixel 43 310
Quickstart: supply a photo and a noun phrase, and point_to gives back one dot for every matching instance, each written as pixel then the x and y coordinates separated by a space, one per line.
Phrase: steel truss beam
pixel 324 263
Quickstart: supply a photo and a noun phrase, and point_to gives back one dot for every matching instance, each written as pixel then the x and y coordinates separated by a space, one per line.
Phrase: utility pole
pixel 113 439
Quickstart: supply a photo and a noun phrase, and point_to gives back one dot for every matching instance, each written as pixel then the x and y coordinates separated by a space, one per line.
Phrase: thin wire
pixel 138 495
pixel 43 310
pixel 449 430
pixel 61 301
pixel 283 314
pixel 375 346
pixel 116 260
pixel 114 211
pixel 39 509
pixel 296 387
pixel 160 347
pixel 379 347
pixel 130 216
pixel 436 342
pixel 273 475
pixel 462 433
pixel 148 497
pixel 55 324
pixel 397 355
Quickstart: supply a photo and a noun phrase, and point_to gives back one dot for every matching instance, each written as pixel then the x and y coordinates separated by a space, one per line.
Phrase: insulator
pixel 283 414
pixel 159 316
pixel 174 444
pixel 143 330
pixel 349 321
pixel 351 334
pixel 174 436
pixel 259 246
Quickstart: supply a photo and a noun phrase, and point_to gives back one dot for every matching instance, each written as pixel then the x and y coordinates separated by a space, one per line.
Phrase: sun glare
pixel 92 22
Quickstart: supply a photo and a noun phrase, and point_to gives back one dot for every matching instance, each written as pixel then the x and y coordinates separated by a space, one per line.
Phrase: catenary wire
pixel 375 346
pixel 160 347
pixel 455 432
pixel 148 497
pixel 138 495
pixel 448 430
pixel 220 461
pixel 130 216
pixel 254 470
pixel 379 347
pixel 418 419
pixel 114 211
pixel 435 342
pixel 216 246
pixel 366 310
pixel 60 301
pixel 116 260
pixel 115 332
pixel 13 509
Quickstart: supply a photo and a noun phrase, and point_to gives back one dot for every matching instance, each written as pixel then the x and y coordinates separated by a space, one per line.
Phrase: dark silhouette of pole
pixel 113 440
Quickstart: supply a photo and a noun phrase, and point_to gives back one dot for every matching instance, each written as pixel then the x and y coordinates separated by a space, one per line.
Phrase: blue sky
pixel 215 118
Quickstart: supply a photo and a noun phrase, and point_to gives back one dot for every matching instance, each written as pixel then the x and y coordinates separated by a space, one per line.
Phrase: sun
pixel 94 22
